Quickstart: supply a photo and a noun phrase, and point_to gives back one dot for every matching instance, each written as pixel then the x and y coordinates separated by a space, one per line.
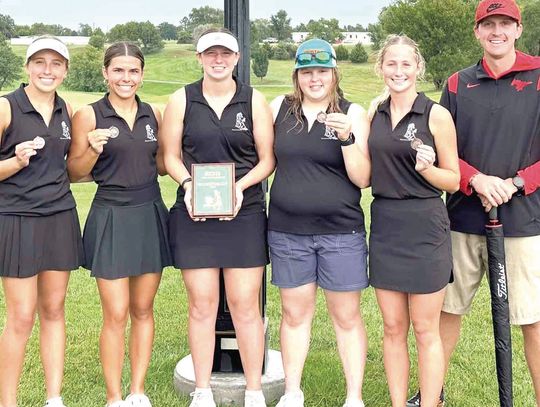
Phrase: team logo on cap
pixel 150 135
pixel 240 124
pixel 493 7
pixel 66 135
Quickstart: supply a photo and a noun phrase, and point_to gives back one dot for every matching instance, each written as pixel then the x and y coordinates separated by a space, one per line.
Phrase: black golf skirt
pixel 31 244
pixel 239 243
pixel 409 247
pixel 126 233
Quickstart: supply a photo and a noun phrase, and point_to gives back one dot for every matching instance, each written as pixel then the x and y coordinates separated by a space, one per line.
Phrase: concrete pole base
pixel 228 388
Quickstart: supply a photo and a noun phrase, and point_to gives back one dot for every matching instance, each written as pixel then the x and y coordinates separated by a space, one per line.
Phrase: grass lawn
pixel 471 380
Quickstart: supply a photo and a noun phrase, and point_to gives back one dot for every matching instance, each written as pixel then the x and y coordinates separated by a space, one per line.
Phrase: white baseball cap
pixel 217 38
pixel 47 42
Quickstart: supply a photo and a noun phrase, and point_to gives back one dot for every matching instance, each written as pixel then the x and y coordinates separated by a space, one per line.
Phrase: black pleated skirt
pixel 31 244
pixel 125 234
pixel 409 247
pixel 239 243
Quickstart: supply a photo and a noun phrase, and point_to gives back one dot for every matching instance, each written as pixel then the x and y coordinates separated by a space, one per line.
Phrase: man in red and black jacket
pixel 496 109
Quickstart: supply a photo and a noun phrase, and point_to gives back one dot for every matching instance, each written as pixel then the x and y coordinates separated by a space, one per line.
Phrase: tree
pixel 167 31
pixel 145 34
pixel 530 39
pixel 358 54
pixel 281 52
pixel 197 31
pixel 342 54
pixel 204 15
pixel 97 41
pixel 10 64
pixel 7 26
pixel 444 35
pixel 377 35
pixel 22 30
pixel 85 71
pixel 184 37
pixel 354 28
pixel 260 62
pixel 328 30
pixel 260 29
pixel 281 25
pixel 85 30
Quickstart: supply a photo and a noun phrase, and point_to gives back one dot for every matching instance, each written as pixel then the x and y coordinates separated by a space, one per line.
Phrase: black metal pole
pixel 237 20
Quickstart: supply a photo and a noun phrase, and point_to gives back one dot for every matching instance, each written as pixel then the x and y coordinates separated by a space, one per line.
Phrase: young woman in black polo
pixel 316 225
pixel 413 151
pixel 40 238
pixel 115 140
pixel 219 119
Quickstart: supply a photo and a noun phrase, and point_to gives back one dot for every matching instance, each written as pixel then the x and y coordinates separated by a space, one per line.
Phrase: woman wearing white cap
pixel 218 119
pixel 40 239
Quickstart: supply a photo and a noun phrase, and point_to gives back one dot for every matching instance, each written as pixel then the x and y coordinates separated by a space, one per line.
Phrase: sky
pixel 107 13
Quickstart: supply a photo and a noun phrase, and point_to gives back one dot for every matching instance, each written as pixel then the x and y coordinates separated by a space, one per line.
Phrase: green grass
pixel 471 380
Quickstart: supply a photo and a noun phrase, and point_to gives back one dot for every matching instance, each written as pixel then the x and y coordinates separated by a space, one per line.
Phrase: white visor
pixel 217 38
pixel 47 43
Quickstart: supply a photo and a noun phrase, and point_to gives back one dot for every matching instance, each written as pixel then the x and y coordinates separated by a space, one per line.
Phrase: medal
pixel 39 143
pixel 321 117
pixel 415 143
pixel 114 131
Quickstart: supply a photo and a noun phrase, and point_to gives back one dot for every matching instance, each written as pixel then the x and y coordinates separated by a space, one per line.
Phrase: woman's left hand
pixel 239 198
pixel 425 157
pixel 341 123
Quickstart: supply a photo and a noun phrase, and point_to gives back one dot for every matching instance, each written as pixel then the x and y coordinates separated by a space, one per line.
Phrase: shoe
pixel 137 400
pixel 55 402
pixel 292 399
pixel 202 398
pixel 353 403
pixel 415 400
pixel 254 398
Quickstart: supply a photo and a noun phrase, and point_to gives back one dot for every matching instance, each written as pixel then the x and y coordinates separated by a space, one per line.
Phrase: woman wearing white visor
pixel 219 119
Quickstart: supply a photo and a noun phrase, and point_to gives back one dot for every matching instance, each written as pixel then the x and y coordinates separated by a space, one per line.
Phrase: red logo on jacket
pixel 520 85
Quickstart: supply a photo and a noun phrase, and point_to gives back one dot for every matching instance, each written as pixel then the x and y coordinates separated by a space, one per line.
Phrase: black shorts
pixel 31 244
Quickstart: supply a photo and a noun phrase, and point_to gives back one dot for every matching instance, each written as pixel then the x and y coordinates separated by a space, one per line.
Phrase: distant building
pixel 349 37
pixel 74 40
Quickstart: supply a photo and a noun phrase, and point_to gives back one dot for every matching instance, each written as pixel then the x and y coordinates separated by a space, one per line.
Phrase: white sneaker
pixel 202 398
pixel 55 402
pixel 353 403
pixel 137 400
pixel 254 398
pixel 292 399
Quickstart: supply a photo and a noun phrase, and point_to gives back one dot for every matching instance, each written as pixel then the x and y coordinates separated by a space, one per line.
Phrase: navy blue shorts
pixel 336 262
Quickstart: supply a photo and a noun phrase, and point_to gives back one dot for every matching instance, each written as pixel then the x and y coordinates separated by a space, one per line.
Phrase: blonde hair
pixel 295 99
pixel 394 39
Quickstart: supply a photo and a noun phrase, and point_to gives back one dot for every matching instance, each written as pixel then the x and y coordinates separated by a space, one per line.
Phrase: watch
pixel 347 142
pixel 519 183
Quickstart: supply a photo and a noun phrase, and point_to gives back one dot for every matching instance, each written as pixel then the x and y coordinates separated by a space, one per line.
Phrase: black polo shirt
pixel 210 139
pixel 393 159
pixel 498 133
pixel 128 160
pixel 41 188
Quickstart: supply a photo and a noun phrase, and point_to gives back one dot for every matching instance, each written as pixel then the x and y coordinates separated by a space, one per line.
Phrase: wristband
pixel 184 182
pixel 347 142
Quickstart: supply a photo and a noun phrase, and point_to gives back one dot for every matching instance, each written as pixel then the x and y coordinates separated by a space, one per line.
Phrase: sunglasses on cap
pixel 321 57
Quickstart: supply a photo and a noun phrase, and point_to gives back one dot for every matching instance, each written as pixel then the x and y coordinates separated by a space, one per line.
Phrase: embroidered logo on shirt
pixel 410 134
pixel 150 136
pixel 240 123
pixel 520 85
pixel 472 85
pixel 329 134
pixel 66 135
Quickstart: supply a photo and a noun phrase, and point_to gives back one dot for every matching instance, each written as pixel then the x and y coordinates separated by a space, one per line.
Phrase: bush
pixel 184 37
pixel 281 53
pixel 342 53
pixel 269 50
pixel 260 62
pixel 85 71
pixel 97 41
pixel 359 54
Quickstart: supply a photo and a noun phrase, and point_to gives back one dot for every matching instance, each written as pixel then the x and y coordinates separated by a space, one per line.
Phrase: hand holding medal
pixel 425 156
pixel 99 137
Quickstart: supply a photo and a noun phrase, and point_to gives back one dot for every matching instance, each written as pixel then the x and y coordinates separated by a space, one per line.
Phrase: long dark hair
pixel 121 49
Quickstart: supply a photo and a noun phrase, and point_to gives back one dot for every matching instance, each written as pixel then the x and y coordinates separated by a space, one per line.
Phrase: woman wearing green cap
pixel 316 225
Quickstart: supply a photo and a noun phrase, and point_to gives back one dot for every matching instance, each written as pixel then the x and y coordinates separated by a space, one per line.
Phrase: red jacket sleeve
pixel 531 176
pixel 467 172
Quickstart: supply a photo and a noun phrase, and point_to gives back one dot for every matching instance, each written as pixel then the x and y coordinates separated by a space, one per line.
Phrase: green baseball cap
pixel 315 53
